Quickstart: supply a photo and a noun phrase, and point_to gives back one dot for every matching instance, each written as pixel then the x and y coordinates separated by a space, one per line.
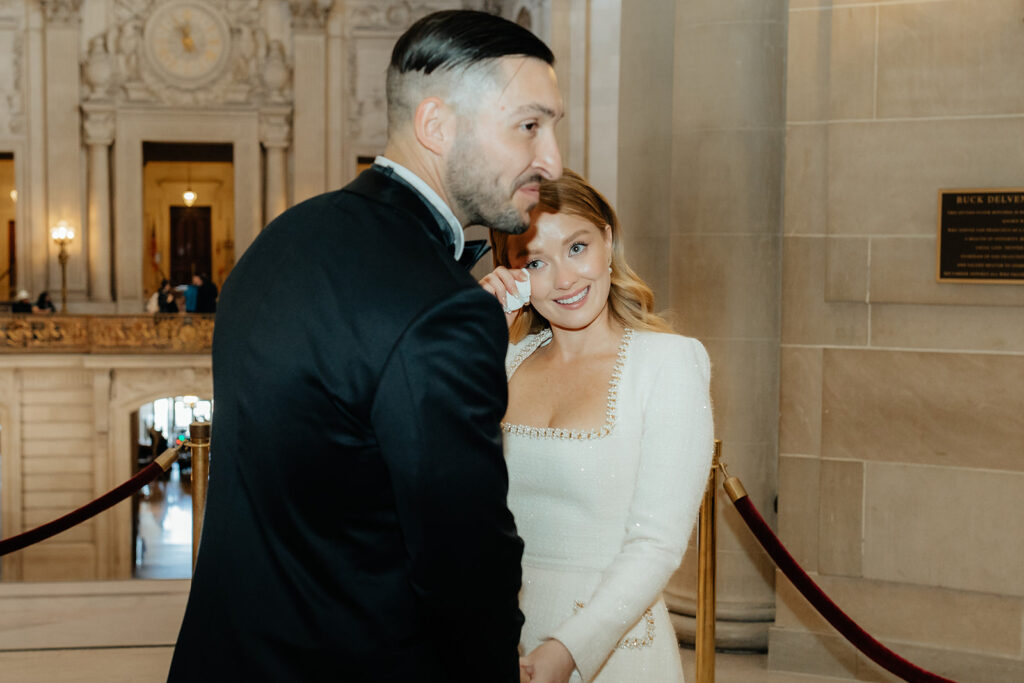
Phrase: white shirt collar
pixel 458 238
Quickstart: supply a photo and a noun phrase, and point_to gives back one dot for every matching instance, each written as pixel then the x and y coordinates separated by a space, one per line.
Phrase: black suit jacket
pixel 356 527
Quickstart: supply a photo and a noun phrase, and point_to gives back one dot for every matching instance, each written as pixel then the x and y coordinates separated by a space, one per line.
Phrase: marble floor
pixel 146 664
pixel 163 547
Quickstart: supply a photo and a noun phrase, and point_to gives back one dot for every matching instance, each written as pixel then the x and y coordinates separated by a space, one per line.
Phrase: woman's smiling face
pixel 567 258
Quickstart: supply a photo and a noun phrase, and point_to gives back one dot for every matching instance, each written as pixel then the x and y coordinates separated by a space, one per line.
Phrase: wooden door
pixel 190 243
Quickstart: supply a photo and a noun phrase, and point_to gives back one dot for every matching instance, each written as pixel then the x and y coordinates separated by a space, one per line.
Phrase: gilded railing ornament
pixel 106 334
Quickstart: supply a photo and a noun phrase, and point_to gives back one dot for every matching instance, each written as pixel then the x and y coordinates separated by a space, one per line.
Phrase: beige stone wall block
pixel 63 378
pixel 884 176
pixel 790 649
pixel 733 66
pixel 739 384
pixel 58 465
pixel 798 508
pixel 792 610
pixel 949 58
pixel 807 66
pixel 99 664
pixel 956 328
pixel 60 500
pixel 806 317
pixel 840 521
pixel 944 527
pixel 947 409
pixel 852 68
pixel 57 482
pixel 903 272
pixel 56 397
pixel 728 181
pixel 720 283
pixel 800 401
pixel 51 448
pixel 49 413
pixel 952 663
pixel 846 268
pixel 56 430
pixel 806 186
pixel 54 560
pixel 744 594
pixel 705 11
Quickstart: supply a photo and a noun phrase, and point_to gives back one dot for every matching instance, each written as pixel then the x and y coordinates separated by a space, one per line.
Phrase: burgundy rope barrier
pixel 92 508
pixel 846 626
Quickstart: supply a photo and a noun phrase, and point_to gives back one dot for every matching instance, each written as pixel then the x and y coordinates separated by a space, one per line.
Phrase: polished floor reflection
pixel 163 547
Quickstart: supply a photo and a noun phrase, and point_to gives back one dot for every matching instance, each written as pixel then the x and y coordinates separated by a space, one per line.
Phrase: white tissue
pixel 513 302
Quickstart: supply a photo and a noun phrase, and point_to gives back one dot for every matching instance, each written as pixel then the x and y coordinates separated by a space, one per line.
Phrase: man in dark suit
pixel 356 526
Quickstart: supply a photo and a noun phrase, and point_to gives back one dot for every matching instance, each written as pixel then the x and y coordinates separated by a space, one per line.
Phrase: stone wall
pixel 900 440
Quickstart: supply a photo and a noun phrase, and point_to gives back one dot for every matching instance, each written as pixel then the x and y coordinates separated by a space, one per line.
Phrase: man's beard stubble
pixel 477 193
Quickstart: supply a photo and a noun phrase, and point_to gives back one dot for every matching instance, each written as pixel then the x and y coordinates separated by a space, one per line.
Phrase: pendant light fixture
pixel 189 195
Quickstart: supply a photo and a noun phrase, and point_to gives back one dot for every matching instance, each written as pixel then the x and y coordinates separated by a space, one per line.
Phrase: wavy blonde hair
pixel 630 300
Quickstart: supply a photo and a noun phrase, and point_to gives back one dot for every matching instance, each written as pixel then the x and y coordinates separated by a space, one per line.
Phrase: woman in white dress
pixel 608 440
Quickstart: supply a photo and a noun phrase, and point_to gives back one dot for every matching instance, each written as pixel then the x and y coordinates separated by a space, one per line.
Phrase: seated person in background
pixel 44 304
pixel 608 441
pixel 22 303
pixel 206 294
pixel 165 298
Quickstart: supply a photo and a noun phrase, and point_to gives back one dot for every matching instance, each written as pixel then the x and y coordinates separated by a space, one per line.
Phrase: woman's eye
pixel 532 265
pixel 577 248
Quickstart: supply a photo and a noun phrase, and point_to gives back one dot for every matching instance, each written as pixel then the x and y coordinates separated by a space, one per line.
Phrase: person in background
pixel 206 294
pixel 608 441
pixel 167 301
pixel 22 302
pixel 44 304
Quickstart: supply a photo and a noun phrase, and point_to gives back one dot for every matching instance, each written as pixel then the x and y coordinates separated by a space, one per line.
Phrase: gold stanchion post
pixel 706 569
pixel 199 441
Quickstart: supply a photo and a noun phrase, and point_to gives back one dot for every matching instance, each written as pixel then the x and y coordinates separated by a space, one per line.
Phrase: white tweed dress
pixel 606 514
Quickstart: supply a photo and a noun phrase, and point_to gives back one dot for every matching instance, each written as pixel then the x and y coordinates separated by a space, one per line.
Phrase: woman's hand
pixel 501 282
pixel 550 662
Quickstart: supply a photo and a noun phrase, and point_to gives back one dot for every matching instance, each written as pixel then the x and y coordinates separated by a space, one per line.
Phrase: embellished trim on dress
pixel 631 643
pixel 560 432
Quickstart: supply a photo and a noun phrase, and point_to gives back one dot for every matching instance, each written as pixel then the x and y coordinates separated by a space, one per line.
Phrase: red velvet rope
pixel 40 533
pixel 849 629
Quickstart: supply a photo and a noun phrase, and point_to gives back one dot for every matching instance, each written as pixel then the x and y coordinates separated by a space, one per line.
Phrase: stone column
pixel 99 134
pixel 728 133
pixel 63 138
pixel 275 136
pixel 309 42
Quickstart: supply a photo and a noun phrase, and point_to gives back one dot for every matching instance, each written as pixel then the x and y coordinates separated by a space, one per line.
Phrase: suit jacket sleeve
pixel 676 446
pixel 437 418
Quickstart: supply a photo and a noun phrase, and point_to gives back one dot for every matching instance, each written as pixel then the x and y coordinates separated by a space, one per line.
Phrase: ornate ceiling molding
pixel 310 15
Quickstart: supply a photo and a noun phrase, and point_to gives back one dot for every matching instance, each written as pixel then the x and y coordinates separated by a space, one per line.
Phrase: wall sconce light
pixel 189 194
pixel 62 235
pixel 14 196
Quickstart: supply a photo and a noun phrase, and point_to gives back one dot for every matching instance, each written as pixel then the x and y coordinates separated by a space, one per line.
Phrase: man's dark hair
pixel 452 40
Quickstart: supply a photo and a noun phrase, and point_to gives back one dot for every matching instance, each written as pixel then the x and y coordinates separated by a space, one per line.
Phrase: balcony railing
pixel 161 333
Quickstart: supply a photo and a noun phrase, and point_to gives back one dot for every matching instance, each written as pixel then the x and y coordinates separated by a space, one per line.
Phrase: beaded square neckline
pixel 559 432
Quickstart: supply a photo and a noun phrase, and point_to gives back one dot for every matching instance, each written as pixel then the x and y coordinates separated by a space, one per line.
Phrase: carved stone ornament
pixel 12 112
pixel 206 53
pixel 98 69
pixel 107 334
pixel 309 14
pixel 275 127
pixel 98 125
pixel 396 15
pixel 61 11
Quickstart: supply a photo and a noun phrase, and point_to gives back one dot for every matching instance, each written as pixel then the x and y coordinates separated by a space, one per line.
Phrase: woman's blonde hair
pixel 630 300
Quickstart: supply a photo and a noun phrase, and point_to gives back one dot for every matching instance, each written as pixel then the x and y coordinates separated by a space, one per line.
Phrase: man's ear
pixel 434 125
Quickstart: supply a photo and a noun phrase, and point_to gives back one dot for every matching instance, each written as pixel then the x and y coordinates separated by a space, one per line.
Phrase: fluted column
pixel 275 136
pixel 99 134
pixel 309 43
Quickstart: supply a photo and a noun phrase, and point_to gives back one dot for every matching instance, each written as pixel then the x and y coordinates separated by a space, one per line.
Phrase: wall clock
pixel 187 42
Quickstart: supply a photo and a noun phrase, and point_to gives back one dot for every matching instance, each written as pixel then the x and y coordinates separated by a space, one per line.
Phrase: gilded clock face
pixel 187 41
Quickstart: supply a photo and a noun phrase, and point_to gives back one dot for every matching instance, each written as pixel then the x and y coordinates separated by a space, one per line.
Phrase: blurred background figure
pixel 206 294
pixel 44 304
pixel 22 302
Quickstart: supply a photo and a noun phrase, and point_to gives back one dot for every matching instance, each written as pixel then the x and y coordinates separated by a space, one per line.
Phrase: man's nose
pixel 548 160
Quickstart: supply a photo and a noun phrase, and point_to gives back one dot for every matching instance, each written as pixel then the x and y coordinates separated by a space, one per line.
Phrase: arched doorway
pixel 162 510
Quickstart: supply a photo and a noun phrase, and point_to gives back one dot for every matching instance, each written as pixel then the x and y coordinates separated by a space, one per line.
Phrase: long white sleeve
pixel 676 446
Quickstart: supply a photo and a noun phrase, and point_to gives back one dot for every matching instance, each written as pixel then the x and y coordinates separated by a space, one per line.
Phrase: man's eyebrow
pixel 536 108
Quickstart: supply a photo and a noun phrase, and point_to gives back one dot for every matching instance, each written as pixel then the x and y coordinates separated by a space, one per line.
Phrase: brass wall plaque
pixel 981 236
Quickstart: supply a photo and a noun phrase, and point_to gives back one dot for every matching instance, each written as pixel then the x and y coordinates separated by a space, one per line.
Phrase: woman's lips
pixel 575 300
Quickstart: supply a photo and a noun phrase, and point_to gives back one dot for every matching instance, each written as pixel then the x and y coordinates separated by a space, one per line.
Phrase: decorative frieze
pixel 62 11
pixel 106 334
pixel 309 15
